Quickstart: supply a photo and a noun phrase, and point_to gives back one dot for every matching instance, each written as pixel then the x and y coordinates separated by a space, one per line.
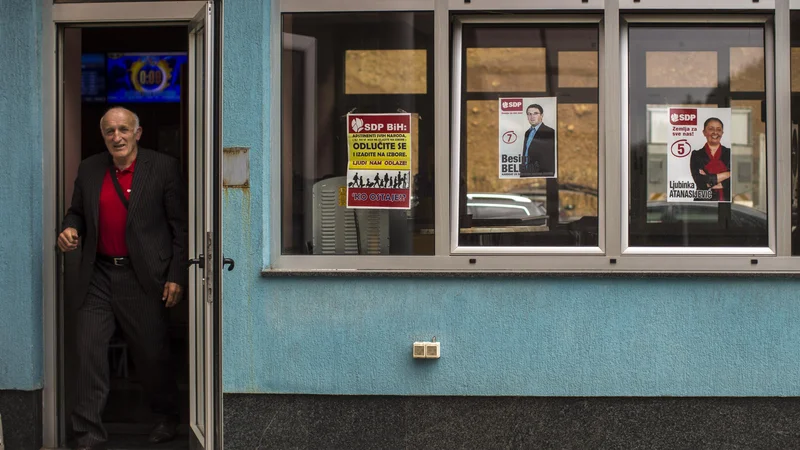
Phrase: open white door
pixel 204 290
pixel 203 294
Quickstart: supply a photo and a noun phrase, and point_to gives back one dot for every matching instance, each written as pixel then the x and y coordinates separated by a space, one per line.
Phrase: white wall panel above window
pixel 526 5
pixel 700 5
pixel 288 6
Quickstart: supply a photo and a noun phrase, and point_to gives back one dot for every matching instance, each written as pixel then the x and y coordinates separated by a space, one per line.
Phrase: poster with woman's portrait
pixel 699 155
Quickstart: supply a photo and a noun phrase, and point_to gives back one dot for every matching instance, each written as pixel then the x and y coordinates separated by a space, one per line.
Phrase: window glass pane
pixel 386 72
pixel 681 69
pixel 697 136
pixel 795 56
pixel 749 139
pixel 364 64
pixel 577 69
pixel 747 69
pixel 546 76
pixel 795 160
pixel 505 69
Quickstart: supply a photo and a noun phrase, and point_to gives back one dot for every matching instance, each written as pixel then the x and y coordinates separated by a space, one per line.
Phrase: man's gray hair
pixel 135 117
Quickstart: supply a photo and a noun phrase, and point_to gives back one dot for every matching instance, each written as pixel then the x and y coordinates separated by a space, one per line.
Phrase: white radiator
pixel 341 231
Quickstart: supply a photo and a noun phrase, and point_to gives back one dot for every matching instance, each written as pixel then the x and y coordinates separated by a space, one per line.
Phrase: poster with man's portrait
pixel 527 141
pixel 699 155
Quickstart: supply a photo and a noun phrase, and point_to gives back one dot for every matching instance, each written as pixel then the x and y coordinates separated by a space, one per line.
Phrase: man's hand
pixel 68 240
pixel 172 294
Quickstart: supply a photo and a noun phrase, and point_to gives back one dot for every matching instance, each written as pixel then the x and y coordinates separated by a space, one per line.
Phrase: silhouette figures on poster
pixel 400 181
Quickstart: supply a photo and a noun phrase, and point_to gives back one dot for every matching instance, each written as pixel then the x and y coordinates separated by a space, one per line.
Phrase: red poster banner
pixel 379 161
pixel 378 198
pixel 379 123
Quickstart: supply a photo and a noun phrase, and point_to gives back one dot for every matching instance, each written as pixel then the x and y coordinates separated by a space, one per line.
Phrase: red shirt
pixel 113 215
pixel 715 166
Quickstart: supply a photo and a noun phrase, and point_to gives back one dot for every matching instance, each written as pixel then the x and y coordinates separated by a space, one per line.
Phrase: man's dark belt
pixel 115 260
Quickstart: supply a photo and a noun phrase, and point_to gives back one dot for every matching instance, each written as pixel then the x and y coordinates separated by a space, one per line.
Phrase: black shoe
pixel 163 432
pixel 91 447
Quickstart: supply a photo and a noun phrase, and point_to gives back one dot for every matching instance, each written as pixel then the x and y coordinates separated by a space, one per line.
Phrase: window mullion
pixel 614 91
pixel 783 132
pixel 441 95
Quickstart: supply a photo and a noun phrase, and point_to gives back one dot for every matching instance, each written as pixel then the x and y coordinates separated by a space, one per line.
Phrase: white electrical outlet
pixel 431 349
pixel 419 350
pixel 427 350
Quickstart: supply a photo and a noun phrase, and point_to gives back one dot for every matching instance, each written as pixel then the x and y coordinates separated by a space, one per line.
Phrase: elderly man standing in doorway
pixel 128 213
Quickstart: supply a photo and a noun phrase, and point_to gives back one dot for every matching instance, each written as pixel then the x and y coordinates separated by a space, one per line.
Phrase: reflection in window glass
pixel 363 63
pixel 747 69
pixel 577 69
pixel 795 61
pixel 385 72
pixel 488 69
pixel 560 69
pixel 679 67
pixel 795 160
pixel 749 154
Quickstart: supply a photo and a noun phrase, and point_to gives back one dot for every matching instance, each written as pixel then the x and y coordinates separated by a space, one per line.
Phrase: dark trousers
pixel 115 297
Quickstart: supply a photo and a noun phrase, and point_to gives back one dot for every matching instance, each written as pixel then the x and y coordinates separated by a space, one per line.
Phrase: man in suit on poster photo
pixel 539 146
pixel 129 215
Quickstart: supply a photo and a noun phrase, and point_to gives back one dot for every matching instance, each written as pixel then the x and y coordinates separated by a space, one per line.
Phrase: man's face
pixel 120 133
pixel 534 116
pixel 713 132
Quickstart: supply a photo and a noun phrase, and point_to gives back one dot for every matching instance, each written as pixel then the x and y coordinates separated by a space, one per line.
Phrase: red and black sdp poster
pixel 379 164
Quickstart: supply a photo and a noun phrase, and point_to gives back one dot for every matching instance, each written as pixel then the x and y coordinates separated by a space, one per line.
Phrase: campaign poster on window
pixel 379 162
pixel 528 142
pixel 699 155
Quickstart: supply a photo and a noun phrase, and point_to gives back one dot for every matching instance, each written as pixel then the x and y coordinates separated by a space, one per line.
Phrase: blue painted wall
pixel 500 336
pixel 546 336
pixel 20 197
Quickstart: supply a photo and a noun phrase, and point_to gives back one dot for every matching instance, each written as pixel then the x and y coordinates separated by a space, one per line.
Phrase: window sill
pixel 528 266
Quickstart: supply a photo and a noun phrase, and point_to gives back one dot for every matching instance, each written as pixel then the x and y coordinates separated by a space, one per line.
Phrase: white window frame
pixel 769 59
pixel 278 263
pixel 455 134
pixel 615 255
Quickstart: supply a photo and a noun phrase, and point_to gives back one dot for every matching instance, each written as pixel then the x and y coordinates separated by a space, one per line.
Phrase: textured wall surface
pixel 22 419
pixel 245 114
pixel 541 336
pixel 537 336
pixel 20 197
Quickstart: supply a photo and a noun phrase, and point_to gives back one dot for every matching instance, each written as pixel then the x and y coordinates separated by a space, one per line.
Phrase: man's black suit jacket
pixel 541 161
pixel 156 230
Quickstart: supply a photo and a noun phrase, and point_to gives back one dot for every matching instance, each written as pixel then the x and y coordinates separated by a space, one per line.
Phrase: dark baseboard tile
pixel 21 412
pixel 263 421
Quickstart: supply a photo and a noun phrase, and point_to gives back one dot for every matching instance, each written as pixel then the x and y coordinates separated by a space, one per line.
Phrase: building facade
pixel 594 305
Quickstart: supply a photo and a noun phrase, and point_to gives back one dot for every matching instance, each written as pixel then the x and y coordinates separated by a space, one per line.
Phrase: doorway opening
pixel 143 68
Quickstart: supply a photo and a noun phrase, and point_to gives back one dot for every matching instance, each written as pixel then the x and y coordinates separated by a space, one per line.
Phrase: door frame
pixel 55 16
